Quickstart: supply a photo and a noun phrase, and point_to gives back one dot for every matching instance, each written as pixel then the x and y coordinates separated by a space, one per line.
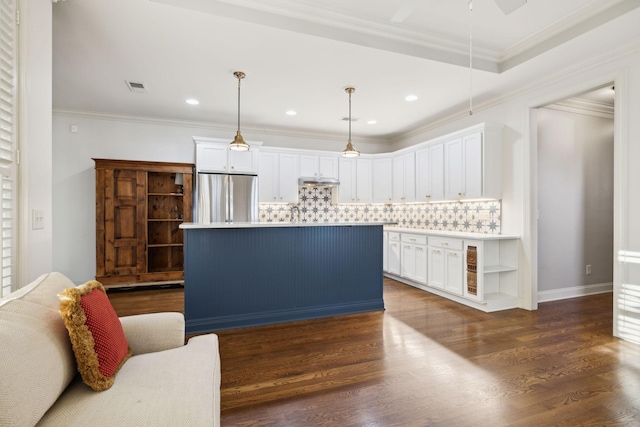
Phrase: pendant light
pixel 349 151
pixel 238 143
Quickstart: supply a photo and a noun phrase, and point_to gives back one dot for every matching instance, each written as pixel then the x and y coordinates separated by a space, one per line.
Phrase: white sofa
pixel 165 383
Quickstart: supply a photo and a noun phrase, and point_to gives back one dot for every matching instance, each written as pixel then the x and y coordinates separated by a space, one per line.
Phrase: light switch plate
pixel 38 219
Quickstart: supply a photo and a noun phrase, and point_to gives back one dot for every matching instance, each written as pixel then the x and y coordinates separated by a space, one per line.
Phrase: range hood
pixel 318 182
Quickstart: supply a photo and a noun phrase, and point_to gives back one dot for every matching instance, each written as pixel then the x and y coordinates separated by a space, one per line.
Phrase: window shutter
pixel 8 73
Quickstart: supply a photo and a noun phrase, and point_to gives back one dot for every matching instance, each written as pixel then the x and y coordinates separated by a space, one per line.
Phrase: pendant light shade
pixel 349 151
pixel 238 143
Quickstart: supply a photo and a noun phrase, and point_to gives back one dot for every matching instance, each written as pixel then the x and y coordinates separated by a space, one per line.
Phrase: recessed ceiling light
pixel 291 113
pixel 411 98
pixel 372 122
pixel 192 101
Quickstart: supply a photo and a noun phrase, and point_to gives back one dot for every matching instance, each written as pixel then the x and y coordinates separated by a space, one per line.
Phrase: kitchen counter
pixel 456 234
pixel 192 225
pixel 388 226
pixel 248 274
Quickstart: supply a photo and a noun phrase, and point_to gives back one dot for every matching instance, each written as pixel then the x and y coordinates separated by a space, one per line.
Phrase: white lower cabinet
pixel 437 269
pixel 414 257
pixel 393 254
pixel 446 264
pixel 480 273
pixel 454 278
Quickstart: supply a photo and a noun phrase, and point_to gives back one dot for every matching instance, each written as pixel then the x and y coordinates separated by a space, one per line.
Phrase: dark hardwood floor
pixel 426 361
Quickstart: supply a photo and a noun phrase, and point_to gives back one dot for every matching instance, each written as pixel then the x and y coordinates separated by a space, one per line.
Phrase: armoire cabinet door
pixel 124 222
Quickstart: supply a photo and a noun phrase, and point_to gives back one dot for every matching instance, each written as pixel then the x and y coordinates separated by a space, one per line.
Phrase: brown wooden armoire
pixel 139 208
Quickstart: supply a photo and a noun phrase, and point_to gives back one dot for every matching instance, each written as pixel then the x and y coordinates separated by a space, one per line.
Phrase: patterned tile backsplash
pixel 315 206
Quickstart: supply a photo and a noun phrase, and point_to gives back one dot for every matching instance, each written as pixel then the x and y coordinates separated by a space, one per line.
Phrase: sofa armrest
pixel 148 333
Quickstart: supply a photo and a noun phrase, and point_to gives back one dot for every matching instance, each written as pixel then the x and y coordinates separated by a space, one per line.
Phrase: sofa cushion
pixel 176 387
pixel 36 360
pixel 98 340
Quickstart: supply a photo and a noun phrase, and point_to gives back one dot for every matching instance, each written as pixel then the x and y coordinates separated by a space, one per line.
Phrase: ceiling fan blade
pixel 508 6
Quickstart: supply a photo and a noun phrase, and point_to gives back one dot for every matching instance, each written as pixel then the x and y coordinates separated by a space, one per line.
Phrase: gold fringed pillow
pixel 96 334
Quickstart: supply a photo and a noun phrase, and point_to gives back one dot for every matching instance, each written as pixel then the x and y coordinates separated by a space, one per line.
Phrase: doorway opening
pixel 575 198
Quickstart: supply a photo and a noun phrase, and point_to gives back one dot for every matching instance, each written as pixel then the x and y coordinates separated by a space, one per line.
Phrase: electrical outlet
pixel 588 269
pixel 484 215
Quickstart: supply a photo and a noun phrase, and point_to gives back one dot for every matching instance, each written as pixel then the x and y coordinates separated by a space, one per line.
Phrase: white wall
pixel 575 202
pixel 120 138
pixel 520 179
pixel 36 246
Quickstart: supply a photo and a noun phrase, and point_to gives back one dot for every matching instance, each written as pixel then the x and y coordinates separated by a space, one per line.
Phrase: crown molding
pixel 307 19
pixel 94 115
pixel 455 114
pixel 583 106
pixel 304 18
pixel 589 17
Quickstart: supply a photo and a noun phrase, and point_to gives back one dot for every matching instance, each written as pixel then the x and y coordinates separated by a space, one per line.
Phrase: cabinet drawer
pixel 394 236
pixel 446 242
pixel 416 239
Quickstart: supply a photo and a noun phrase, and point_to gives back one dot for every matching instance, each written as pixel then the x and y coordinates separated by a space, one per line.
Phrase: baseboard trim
pixel 235 321
pixel 574 292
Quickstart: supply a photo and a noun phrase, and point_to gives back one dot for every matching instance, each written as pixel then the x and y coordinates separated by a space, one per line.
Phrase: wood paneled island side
pixel 248 274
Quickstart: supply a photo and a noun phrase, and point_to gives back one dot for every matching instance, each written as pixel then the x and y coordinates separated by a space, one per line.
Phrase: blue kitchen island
pixel 247 274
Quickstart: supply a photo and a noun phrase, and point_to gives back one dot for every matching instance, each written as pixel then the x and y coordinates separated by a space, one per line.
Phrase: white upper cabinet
pixel 347 180
pixel 430 173
pixel 278 177
pixel 454 169
pixel 404 178
pixel 355 180
pixel 243 161
pixel 381 180
pixel 460 166
pixel 473 165
pixel 329 167
pixel 463 167
pixel 319 166
pixel 267 177
pixel 364 173
pixel 213 155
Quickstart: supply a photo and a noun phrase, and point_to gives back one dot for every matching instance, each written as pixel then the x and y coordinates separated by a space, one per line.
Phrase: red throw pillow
pixel 96 334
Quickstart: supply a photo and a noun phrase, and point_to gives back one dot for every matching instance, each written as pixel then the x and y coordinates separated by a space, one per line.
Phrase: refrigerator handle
pixel 230 193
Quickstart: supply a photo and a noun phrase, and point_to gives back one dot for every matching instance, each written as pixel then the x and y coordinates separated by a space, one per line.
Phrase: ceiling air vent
pixel 136 87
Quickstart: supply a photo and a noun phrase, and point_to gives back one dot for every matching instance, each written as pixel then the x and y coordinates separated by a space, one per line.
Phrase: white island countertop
pixel 194 225
pixel 388 226
pixel 456 234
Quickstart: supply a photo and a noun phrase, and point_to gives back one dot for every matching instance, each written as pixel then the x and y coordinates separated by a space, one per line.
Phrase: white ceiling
pixel 300 54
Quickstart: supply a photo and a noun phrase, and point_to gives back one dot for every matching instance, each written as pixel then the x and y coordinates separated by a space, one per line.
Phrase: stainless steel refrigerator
pixel 226 198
